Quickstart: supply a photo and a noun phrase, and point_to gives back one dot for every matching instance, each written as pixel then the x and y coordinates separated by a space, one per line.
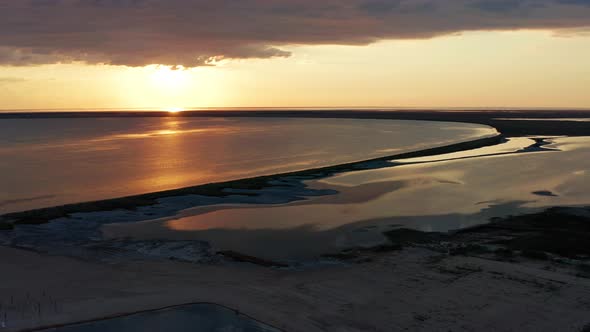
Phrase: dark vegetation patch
pixel 362 254
pixel 5 226
pixel 535 236
pixel 535 254
pixel 552 231
pixel 469 248
pixel 539 236
pixel 405 236
pixel 566 245
pixel 239 257
pixel 583 270
pixel 544 193
pixel 504 253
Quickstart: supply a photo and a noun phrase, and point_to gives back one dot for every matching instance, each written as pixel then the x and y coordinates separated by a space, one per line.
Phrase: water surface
pixel 47 162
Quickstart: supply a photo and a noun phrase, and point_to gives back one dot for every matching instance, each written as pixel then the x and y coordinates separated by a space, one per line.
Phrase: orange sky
pixel 474 69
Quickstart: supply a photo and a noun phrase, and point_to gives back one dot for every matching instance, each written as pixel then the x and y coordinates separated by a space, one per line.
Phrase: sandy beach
pixel 415 289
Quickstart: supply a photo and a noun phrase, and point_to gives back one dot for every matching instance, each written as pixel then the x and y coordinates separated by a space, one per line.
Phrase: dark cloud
pixel 575 2
pixel 197 32
pixel 379 7
pixel 499 5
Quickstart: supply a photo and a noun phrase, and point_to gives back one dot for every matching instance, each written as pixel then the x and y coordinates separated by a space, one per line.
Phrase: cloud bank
pixel 198 32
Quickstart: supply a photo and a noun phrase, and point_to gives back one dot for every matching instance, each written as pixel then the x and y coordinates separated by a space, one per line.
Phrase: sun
pixel 173 109
pixel 170 78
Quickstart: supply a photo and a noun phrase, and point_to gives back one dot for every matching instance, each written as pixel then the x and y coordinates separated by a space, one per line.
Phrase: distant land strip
pixel 499 119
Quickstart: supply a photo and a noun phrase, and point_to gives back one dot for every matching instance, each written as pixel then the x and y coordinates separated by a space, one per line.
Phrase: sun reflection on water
pixel 174 109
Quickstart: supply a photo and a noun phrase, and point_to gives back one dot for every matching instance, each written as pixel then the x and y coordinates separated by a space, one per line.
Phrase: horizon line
pixel 299 108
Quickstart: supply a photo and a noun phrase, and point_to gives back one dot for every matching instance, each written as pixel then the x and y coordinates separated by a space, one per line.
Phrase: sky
pixel 294 53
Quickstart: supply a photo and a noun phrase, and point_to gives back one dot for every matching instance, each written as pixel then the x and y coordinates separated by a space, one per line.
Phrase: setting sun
pixel 173 109
pixel 170 78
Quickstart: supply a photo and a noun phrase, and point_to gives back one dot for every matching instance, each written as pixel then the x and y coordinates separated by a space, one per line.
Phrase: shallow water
pixel 188 318
pixel 429 196
pixel 47 162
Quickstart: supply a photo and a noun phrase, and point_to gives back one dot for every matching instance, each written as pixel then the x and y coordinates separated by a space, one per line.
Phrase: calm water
pixel 437 194
pixel 47 162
